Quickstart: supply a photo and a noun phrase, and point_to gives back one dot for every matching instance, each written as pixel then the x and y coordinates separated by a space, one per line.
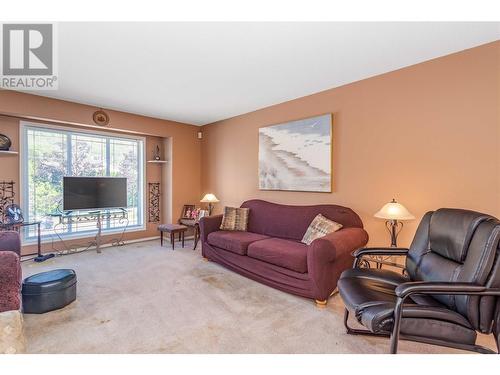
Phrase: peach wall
pixel 186 148
pixel 428 135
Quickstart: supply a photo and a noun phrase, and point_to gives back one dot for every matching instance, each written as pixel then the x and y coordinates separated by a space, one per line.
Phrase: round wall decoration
pixel 5 142
pixel 101 118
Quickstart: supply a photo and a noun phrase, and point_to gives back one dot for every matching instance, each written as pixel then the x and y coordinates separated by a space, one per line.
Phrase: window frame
pixel 24 182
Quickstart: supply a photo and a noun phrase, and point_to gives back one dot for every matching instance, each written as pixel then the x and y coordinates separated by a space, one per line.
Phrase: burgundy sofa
pixel 271 251
pixel 10 271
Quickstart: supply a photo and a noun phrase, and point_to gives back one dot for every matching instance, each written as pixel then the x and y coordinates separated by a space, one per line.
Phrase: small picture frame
pixel 195 213
pixel 202 213
pixel 187 211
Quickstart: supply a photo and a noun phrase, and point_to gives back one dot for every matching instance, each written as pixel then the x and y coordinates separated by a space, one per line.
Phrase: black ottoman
pixel 48 291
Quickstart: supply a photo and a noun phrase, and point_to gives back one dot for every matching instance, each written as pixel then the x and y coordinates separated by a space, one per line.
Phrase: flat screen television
pixel 87 193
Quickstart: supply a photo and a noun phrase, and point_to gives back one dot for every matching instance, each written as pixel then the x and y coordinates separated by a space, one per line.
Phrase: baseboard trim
pixel 144 239
pixel 81 249
pixel 129 242
pixel 126 242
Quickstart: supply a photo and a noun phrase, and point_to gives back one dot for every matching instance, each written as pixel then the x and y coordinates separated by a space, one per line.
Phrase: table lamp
pixel 394 213
pixel 210 199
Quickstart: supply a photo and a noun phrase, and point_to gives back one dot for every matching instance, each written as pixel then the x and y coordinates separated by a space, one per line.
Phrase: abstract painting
pixel 297 155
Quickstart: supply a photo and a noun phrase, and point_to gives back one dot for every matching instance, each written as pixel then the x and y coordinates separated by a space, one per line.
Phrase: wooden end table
pixel 172 229
pixel 192 223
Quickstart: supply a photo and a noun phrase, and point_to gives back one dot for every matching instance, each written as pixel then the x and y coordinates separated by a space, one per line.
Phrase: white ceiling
pixel 199 73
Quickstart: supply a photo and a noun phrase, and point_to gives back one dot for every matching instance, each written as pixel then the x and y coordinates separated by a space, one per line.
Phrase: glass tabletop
pixel 79 213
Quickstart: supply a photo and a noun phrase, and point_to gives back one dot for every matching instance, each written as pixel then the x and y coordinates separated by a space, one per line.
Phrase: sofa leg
pixel 206 259
pixel 321 303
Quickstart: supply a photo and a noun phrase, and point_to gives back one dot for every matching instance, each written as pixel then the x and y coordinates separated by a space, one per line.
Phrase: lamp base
pixel 43 258
pixel 394 227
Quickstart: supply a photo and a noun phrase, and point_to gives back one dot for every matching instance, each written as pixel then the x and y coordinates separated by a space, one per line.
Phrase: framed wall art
pixel 297 155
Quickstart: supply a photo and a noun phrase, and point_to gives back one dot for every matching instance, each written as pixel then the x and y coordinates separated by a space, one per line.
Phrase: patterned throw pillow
pixel 235 219
pixel 320 227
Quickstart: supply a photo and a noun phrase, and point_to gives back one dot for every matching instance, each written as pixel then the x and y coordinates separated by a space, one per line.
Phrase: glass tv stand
pixel 109 218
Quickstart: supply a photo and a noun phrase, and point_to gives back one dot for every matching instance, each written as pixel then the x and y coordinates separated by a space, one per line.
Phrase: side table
pixel 17 226
pixel 381 260
pixel 172 229
pixel 195 224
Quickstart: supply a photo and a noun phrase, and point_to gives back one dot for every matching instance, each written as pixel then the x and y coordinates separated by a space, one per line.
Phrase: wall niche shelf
pixel 158 161
pixel 3 152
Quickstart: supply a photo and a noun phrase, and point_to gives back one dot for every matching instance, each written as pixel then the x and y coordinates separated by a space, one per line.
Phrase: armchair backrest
pixel 285 221
pixel 463 246
pixel 10 241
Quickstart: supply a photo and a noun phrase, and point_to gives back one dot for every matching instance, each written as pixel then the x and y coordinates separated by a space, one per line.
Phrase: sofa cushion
pixel 236 242
pixel 235 219
pixel 320 227
pixel 284 253
pixel 284 221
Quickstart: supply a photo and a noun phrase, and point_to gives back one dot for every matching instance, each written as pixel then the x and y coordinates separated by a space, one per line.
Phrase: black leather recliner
pixel 451 289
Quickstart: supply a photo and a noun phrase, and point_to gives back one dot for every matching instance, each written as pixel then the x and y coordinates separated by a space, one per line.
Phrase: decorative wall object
pixel 297 155
pixel 101 118
pixel 6 197
pixel 154 202
pixel 13 214
pixel 156 153
pixel 5 142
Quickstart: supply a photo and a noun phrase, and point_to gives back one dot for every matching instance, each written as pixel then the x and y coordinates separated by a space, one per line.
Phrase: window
pixel 50 153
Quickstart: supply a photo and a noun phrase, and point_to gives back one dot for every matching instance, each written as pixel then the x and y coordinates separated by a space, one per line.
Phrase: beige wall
pixel 186 148
pixel 428 135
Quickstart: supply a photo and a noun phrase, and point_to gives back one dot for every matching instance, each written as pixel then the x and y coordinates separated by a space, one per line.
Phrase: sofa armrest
pixel 10 281
pixel 328 256
pixel 10 241
pixel 209 224
pixel 333 245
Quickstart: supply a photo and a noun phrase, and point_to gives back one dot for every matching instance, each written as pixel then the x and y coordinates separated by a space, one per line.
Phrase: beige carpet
pixel 142 298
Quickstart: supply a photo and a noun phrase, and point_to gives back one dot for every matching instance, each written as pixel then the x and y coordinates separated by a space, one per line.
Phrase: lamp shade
pixel 209 198
pixel 394 211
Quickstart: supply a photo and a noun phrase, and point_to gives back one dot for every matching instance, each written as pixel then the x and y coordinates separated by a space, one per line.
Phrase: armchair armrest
pixel 209 224
pixel 380 251
pixel 387 251
pixel 432 287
